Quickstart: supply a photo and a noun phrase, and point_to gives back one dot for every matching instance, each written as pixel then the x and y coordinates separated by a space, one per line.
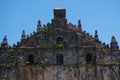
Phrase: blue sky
pixel 101 15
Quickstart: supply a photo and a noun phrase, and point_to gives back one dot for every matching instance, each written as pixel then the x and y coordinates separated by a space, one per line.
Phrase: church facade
pixel 59 43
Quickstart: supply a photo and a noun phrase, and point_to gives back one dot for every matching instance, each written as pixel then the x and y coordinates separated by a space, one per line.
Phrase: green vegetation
pixel 12 57
pixel 39 30
pixel 20 62
pixel 39 61
pixel 83 62
pixel 44 44
pixel 65 41
pixel 43 29
pixel 10 51
pixel 91 62
pixel 58 29
pixel 61 44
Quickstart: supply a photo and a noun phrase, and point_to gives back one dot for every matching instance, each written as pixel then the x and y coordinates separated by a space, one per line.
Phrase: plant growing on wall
pixel 83 62
pixel 58 29
pixel 39 30
pixel 65 41
pixel 10 53
pixel 61 44
pixel 20 62
pixel 45 29
pixel 39 61
pixel 44 44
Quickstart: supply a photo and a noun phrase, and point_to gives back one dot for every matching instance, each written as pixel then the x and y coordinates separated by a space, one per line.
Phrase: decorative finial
pixel 114 44
pixel 113 39
pixel 39 25
pixel 4 42
pixel 23 35
pixel 96 36
pixel 79 25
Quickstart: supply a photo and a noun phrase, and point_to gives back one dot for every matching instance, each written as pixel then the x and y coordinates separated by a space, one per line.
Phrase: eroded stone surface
pixel 81 72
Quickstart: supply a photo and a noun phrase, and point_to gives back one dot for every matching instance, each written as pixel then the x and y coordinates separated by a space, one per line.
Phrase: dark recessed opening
pixel 88 58
pixel 59 40
pixel 59 59
pixel 31 59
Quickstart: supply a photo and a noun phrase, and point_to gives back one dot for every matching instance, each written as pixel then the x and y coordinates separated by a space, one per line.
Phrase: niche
pixel 59 40
pixel 31 59
pixel 88 58
pixel 59 59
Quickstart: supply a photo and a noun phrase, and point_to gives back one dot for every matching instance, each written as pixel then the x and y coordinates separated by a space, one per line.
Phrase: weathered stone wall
pixel 111 72
pixel 49 55
pixel 71 55
pixel 82 72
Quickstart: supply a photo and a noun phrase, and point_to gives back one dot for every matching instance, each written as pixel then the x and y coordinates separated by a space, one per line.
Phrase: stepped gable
pixel 59 28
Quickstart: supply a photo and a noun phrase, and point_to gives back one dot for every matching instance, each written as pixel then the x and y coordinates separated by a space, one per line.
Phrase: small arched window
pixel 31 59
pixel 59 59
pixel 89 58
pixel 59 40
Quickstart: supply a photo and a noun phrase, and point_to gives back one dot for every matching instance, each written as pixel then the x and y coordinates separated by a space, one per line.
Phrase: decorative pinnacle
pixel 4 42
pixel 23 35
pixel 23 32
pixel 39 24
pixel 79 25
pixel 113 39
pixel 96 36
pixel 114 44
pixel 4 39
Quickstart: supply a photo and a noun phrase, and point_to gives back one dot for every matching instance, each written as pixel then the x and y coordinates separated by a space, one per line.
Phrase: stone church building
pixel 64 47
